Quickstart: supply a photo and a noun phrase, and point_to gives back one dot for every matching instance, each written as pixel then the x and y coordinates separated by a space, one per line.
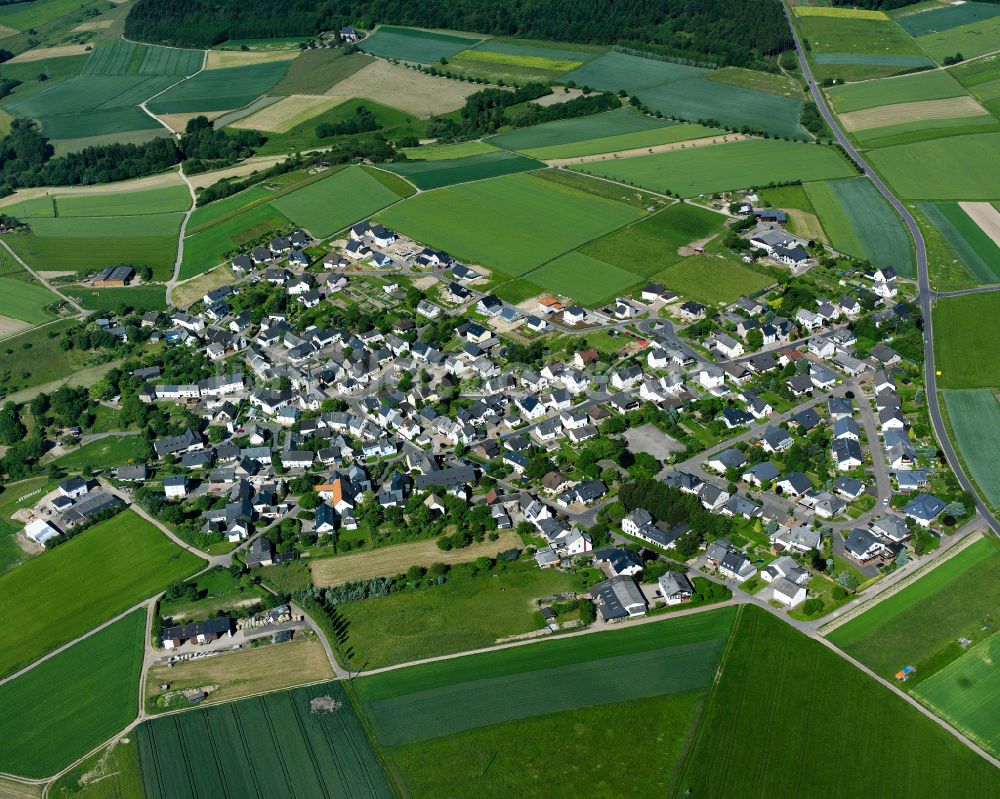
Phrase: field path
pixel 180 236
pixel 705 141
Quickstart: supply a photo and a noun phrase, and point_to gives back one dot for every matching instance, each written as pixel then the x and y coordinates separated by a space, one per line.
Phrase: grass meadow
pixel 975 422
pixel 152 201
pixel 107 774
pixel 410 44
pixel 208 247
pixel 736 165
pixel 967 694
pixel 436 174
pixel 668 134
pixel 934 85
pixel 513 223
pixel 85 581
pixel 587 280
pixel 954 168
pixel 966 331
pixel 947 17
pixel 103 453
pixel 919 625
pixel 272 745
pixel 974 39
pixel 860 222
pixel 150 297
pixel 35 357
pixel 781 698
pixel 22 298
pixel 711 280
pixel 619 122
pixel 64 707
pixel 315 71
pixel 973 246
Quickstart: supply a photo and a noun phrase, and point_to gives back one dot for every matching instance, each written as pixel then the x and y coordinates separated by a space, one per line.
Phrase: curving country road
pixel 925 295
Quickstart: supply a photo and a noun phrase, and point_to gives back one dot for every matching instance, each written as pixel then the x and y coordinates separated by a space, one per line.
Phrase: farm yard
pixel 85 582
pixel 955 168
pixel 389 561
pixel 920 625
pixel 771 671
pixel 966 692
pixel 436 174
pixel 513 223
pixel 735 165
pixel 323 749
pixel 974 415
pixel 965 325
pixel 860 222
pixel 87 694
pixel 976 250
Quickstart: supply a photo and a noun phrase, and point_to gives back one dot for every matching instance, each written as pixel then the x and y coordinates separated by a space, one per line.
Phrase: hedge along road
pixel 924 293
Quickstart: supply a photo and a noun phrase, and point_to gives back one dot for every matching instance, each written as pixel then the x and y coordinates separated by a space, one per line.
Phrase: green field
pixel 585 279
pixel 955 168
pixel 104 453
pixel 975 39
pixel 35 357
pixel 626 141
pixel 315 71
pixel 967 694
pixel 935 85
pixel 89 93
pixel 523 59
pixel 650 244
pixel 150 297
pixel 737 165
pixel 782 698
pixel 976 250
pixel 71 128
pixel 711 280
pixel 967 328
pixel 924 129
pixel 115 57
pixel 21 298
pixel 436 174
pixel 64 707
pixel 920 625
pixel 108 774
pixel 860 222
pixel 579 129
pixel 513 223
pixel 613 71
pixel 445 152
pixel 465 613
pixel 438 699
pixel 336 202
pixel 153 201
pixel 947 17
pixel 84 582
pixel 410 44
pixel 208 247
pixel 205 216
pixel 220 89
pixel 975 421
pixel 855 37
pixel 272 746
pixel 24 16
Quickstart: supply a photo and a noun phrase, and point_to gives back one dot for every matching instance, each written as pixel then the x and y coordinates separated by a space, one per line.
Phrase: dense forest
pixel 733 33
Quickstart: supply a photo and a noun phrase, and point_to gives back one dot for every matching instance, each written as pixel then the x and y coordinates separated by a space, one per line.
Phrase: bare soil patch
pixel 50 52
pixel 559 96
pixel 405 89
pixel 986 216
pixel 288 112
pixel 10 327
pixel 221 59
pixel 238 171
pixel 96 25
pixel 160 181
pixel 640 151
pixel 884 115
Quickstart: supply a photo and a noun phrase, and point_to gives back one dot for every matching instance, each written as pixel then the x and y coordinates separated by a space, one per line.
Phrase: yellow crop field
pixel 221 59
pixel 919 111
pixel 515 60
pixel 288 112
pixel 405 89
pixel 842 13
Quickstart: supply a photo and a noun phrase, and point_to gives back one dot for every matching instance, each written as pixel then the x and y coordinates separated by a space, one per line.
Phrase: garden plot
pixel 405 89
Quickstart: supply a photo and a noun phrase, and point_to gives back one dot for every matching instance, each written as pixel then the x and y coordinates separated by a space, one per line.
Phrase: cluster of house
pixel 74 501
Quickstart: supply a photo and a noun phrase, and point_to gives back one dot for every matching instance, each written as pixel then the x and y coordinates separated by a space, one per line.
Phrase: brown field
pixel 11 327
pixel 658 148
pixel 50 52
pixel 96 25
pixel 203 179
pixel 898 113
pixel 559 96
pixel 162 180
pixel 806 225
pixel 220 59
pixel 177 122
pixel 6 30
pixel 197 287
pixel 12 789
pixel 986 216
pixel 250 671
pixel 388 561
pixel 288 112
pixel 405 89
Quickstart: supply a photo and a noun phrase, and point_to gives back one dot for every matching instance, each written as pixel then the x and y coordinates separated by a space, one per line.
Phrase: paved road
pixel 925 296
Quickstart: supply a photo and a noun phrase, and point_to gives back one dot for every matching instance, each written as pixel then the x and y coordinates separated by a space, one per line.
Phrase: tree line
pixel 738 34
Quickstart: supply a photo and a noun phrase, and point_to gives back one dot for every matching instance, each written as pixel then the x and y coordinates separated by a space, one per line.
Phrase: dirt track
pixel 658 148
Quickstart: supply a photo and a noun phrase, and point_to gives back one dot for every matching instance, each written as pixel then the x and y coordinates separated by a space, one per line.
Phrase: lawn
pixel 645 247
pixel 934 85
pixel 967 330
pixel 782 698
pixel 210 246
pixel 586 280
pixel 513 223
pixel 967 694
pixel 860 222
pixel 920 624
pixel 436 174
pixel 485 701
pixel 410 44
pixel 954 168
pixel 974 247
pixel 220 89
pixel 87 694
pixel 508 760
pixel 336 202
pixel 579 129
pixel 84 582
pixel 465 613
pixel 273 746
pixel 736 165
pixel 21 298
pixel 711 280
pixel 315 71
pixel 975 39
pixel 668 134
pixel 975 421
pixel 150 297
pixel 103 453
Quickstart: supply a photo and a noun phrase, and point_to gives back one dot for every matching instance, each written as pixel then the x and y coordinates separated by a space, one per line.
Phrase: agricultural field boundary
pixel 688 144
